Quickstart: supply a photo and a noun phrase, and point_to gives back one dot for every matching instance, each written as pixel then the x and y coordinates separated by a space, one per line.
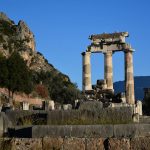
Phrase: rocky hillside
pixel 18 37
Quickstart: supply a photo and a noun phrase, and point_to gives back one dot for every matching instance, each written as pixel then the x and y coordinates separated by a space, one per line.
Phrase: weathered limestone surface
pixel 104 131
pixel 24 33
pixel 95 144
pixel 129 78
pixel 140 143
pixel 5 144
pixel 52 143
pixel 84 131
pixel 108 70
pixel 26 144
pixel 86 71
pixel 5 123
pixel 131 130
pixel 4 17
pixel 73 131
pixel 1 125
pixel 118 144
pixel 72 143
pixel 20 38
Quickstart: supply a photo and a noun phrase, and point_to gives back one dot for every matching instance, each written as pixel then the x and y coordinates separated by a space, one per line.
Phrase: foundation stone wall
pixel 51 143
pixel 82 131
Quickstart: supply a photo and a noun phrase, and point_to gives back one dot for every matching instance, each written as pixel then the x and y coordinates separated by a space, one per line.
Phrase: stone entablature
pixel 111 37
pixel 109 42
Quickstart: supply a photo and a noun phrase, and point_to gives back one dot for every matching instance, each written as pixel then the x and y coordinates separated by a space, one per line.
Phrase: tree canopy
pixel 14 74
pixel 59 87
pixel 3 71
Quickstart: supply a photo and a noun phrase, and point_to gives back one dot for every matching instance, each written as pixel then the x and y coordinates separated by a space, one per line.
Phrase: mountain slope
pixel 140 83
pixel 18 37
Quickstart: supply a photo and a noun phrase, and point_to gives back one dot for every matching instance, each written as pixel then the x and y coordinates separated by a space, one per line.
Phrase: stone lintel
pixel 118 40
pixel 113 47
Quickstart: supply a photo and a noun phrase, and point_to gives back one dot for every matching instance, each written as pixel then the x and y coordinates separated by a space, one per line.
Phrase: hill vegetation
pixel 23 69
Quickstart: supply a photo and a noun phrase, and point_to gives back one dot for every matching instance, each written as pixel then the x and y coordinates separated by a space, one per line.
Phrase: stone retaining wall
pixel 103 131
pixel 5 123
pixel 59 143
pixel 73 117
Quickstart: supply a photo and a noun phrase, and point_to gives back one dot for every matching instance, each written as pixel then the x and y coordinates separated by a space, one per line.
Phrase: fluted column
pixel 86 73
pixel 108 70
pixel 129 78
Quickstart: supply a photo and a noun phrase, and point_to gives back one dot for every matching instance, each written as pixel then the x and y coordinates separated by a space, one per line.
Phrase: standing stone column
pixel 108 70
pixel 86 73
pixel 129 78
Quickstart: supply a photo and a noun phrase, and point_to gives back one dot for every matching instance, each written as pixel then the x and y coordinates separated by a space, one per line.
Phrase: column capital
pixel 85 53
pixel 129 50
pixel 108 52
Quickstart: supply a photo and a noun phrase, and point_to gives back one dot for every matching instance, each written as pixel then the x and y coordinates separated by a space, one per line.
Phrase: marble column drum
pixel 129 78
pixel 86 72
pixel 108 70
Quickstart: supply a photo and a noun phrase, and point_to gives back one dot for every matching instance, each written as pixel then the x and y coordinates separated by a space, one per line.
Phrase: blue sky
pixel 62 27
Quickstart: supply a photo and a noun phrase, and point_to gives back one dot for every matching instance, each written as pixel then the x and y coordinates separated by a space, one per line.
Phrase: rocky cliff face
pixel 18 37
pixel 24 34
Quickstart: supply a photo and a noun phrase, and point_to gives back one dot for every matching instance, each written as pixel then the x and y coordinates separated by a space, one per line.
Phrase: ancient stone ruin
pixel 108 44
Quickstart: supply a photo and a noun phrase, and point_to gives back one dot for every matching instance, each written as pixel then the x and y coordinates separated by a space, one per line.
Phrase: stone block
pixel 53 131
pixel 91 106
pixel 103 131
pixel 94 144
pixel 136 118
pixel 138 108
pixel 74 144
pixel 125 130
pixel 140 143
pixel 5 144
pixel 67 107
pixel 78 131
pixel 1 125
pixel 131 130
pixel 52 143
pixel 118 144
pixel 25 105
pixel 26 144
pixel 51 105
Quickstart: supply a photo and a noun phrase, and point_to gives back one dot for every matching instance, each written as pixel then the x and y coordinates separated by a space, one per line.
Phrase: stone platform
pixel 81 131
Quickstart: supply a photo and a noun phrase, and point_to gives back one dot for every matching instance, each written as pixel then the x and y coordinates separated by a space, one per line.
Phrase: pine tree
pixel 3 71
pixel 18 74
